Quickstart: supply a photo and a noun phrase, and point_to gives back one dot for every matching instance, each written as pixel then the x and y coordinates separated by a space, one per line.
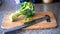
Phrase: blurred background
pixel 40 5
pixel 14 4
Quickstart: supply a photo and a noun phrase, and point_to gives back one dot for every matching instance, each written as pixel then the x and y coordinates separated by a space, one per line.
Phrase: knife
pixel 27 24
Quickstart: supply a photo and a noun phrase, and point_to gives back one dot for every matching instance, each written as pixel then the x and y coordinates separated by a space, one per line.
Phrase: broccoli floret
pixel 26 8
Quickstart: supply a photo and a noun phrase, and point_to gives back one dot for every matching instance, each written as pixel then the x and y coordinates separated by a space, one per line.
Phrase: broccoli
pixel 26 9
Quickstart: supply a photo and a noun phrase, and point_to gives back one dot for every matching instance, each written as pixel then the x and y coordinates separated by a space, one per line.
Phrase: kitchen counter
pixel 54 7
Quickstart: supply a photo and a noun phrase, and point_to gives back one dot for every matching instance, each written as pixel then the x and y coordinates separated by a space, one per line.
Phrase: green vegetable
pixel 26 8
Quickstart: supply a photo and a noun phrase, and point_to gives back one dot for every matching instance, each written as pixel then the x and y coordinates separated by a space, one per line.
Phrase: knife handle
pixel 48 18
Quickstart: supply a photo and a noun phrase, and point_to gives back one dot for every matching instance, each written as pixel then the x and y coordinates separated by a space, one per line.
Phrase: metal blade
pixel 26 24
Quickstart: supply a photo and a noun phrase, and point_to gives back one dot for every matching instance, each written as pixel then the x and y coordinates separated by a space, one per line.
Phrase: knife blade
pixel 27 24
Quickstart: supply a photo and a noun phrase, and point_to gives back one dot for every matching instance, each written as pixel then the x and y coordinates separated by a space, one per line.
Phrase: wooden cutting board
pixel 6 23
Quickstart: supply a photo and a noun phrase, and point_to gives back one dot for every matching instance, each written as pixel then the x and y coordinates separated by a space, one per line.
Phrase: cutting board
pixel 6 23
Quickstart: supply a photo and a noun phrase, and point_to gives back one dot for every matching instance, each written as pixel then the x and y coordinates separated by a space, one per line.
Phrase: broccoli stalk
pixel 26 8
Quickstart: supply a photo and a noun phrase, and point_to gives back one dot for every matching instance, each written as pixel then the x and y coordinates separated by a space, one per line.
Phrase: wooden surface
pixel 41 25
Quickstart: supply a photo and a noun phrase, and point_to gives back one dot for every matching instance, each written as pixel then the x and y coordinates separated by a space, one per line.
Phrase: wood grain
pixel 41 25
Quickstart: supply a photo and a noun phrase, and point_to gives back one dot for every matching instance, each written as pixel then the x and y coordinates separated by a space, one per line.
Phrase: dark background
pixel 39 1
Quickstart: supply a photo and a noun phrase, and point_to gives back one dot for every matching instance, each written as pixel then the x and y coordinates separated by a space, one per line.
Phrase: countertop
pixel 54 7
